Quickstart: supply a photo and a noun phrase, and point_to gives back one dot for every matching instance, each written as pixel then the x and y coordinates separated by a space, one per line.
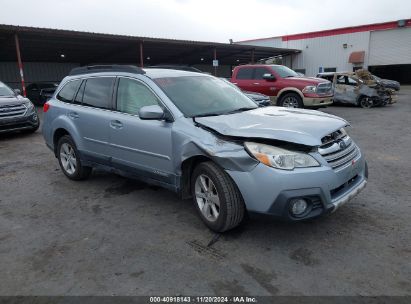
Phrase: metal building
pixel 29 54
pixel 383 48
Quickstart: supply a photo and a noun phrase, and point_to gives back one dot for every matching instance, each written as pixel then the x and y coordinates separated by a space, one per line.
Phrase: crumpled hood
pixel 305 127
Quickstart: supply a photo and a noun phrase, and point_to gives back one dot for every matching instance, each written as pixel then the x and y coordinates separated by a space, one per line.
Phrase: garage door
pixel 390 47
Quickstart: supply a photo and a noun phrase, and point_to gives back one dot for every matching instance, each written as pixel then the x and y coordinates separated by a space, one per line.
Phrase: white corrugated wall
pixel 328 52
pixel 270 42
pixel 390 47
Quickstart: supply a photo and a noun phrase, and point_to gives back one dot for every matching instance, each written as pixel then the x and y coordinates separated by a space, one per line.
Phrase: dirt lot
pixel 113 236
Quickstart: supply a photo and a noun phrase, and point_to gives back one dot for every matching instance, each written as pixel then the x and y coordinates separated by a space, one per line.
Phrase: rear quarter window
pixel 245 73
pixel 66 94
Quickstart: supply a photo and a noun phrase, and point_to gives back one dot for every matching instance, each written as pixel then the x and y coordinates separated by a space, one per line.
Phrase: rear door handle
pixel 116 124
pixel 73 115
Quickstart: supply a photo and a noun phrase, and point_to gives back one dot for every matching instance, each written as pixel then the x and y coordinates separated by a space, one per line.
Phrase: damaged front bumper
pixel 270 191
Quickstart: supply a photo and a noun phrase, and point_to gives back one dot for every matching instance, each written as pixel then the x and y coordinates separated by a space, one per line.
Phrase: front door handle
pixel 73 115
pixel 256 83
pixel 116 124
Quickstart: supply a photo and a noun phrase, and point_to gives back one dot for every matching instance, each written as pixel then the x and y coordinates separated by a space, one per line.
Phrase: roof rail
pixel 106 68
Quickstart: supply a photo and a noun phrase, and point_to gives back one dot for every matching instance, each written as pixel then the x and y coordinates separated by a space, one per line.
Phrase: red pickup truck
pixel 283 85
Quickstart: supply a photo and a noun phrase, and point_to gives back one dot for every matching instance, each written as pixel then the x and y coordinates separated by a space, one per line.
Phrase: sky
pixel 204 20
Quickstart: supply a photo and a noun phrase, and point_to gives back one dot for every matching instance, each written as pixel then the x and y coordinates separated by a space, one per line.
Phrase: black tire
pixel 81 172
pixel 365 102
pixel 289 98
pixel 231 209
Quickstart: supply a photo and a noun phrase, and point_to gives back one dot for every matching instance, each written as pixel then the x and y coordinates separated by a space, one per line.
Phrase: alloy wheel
pixel 68 158
pixel 366 102
pixel 291 102
pixel 207 197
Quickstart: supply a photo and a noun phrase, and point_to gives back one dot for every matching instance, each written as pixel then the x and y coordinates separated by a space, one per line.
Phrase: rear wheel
pixel 216 197
pixel 69 159
pixel 291 100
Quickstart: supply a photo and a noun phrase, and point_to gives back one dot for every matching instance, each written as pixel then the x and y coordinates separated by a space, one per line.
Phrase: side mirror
pixel 154 112
pixel 269 77
pixel 17 91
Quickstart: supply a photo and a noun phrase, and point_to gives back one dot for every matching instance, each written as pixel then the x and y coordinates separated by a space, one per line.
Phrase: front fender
pixel 290 89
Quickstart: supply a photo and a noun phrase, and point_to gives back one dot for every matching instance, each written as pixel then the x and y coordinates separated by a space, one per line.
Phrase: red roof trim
pixel 347 30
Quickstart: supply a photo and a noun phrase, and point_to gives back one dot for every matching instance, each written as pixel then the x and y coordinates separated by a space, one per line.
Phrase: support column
pixel 252 56
pixel 16 40
pixel 141 55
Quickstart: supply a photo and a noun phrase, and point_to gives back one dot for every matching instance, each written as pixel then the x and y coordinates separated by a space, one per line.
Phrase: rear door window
pixel 98 92
pixel 245 73
pixel 66 94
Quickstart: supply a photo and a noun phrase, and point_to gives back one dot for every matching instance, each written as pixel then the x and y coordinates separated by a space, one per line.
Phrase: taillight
pixel 46 107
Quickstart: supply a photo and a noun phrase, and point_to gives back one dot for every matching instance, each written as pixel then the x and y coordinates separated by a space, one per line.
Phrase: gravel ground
pixel 113 236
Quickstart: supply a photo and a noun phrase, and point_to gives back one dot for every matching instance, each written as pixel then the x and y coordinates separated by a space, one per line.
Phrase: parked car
pixel 40 92
pixel 16 112
pixel 260 99
pixel 390 84
pixel 285 87
pixel 198 136
pixel 350 89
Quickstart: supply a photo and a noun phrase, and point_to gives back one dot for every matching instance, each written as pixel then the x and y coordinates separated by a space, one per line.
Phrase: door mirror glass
pixel 268 77
pixel 17 91
pixel 154 112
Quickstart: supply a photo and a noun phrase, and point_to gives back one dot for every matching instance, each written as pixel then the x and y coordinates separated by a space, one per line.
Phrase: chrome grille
pixel 340 152
pixel 12 110
pixel 324 88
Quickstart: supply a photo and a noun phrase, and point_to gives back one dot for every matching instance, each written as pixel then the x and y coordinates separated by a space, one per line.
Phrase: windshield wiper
pixel 243 109
pixel 207 114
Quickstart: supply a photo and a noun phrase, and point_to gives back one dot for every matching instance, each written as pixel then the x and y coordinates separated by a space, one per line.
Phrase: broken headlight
pixel 310 89
pixel 280 158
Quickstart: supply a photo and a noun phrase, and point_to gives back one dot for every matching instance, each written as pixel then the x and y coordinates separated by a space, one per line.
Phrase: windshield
pixel 5 90
pixel 230 83
pixel 283 71
pixel 204 95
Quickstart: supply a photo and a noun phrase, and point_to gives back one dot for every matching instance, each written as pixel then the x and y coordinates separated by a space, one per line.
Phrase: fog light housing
pixel 298 206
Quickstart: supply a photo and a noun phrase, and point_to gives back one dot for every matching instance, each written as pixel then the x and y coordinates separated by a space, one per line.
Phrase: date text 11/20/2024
pixel 205 299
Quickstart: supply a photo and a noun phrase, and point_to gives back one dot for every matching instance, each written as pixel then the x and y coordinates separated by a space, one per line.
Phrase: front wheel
pixel 366 102
pixel 291 100
pixel 216 197
pixel 69 159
